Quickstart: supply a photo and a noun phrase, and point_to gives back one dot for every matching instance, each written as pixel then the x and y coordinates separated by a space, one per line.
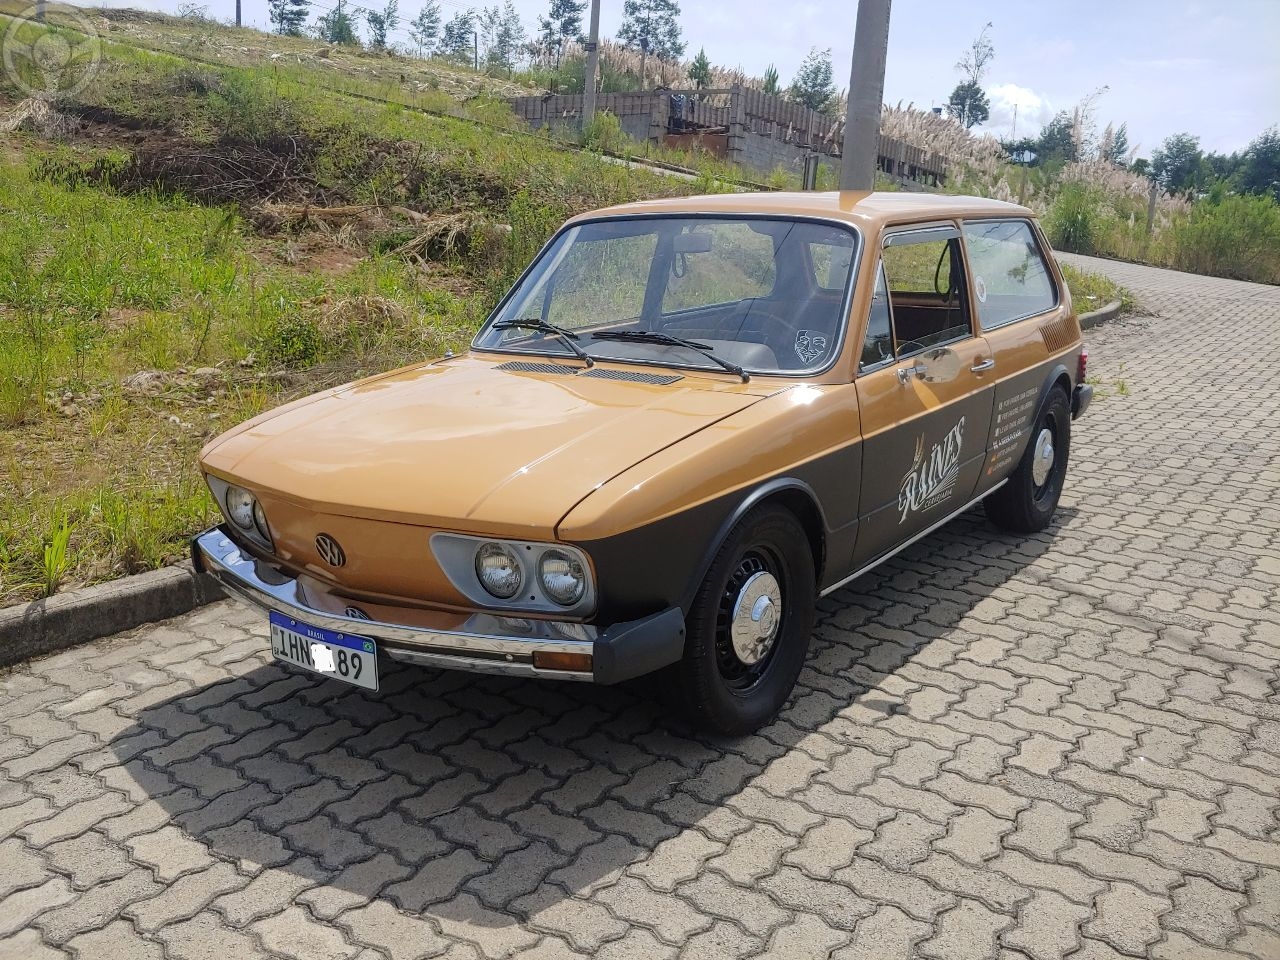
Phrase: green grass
pixel 1092 291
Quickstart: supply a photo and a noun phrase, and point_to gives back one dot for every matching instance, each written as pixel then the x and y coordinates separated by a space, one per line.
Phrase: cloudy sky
pixel 1208 67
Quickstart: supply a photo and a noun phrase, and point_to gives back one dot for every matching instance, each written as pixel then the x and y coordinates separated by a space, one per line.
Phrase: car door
pixel 924 391
pixel 1026 324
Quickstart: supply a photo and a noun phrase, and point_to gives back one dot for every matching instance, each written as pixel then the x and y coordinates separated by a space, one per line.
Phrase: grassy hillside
pixel 190 241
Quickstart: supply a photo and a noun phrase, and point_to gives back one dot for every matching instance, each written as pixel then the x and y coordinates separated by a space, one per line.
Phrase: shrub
pixel 604 133
pixel 1229 236
pixel 292 342
pixel 1075 218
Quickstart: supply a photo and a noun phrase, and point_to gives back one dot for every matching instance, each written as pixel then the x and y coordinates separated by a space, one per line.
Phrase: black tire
pixel 1022 505
pixel 717 688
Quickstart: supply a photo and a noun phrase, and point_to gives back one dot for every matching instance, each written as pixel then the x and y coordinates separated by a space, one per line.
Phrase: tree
pixel 652 27
pixel 973 65
pixel 969 104
pixel 771 85
pixel 562 23
pixel 425 27
pixel 1260 170
pixel 1141 166
pixel 503 34
pixel 1058 139
pixel 813 85
pixel 1176 164
pixel 459 33
pixel 337 27
pixel 1115 144
pixel 288 16
pixel 700 70
pixel 381 22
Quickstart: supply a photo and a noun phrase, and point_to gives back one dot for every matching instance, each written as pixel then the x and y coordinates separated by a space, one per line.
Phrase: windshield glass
pixel 767 295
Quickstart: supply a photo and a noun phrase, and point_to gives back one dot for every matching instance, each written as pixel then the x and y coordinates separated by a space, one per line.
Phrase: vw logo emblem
pixel 330 550
pixel 355 613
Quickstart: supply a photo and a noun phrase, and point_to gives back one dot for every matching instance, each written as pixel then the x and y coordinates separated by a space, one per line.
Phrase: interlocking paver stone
pixel 1058 746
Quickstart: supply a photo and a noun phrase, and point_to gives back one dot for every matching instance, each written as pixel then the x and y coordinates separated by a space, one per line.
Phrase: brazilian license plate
pixel 343 656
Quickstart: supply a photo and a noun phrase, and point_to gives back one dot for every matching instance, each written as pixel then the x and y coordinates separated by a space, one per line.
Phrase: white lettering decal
pixel 933 479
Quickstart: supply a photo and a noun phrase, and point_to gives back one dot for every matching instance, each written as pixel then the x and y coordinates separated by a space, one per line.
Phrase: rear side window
pixel 1010 277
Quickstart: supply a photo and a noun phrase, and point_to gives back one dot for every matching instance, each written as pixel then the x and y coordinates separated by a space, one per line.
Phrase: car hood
pixel 465 444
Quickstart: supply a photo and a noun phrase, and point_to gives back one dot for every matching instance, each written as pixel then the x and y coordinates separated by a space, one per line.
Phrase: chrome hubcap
pixel 757 612
pixel 1042 461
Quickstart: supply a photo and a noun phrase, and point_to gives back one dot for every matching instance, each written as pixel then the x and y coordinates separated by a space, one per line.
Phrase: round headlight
pixel 240 505
pixel 562 577
pixel 260 521
pixel 498 570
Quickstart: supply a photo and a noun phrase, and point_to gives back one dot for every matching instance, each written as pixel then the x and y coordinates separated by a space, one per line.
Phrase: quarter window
pixel 878 345
pixel 1010 277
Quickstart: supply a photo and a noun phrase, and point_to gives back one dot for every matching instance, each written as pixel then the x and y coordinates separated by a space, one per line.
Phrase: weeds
pixel 56 560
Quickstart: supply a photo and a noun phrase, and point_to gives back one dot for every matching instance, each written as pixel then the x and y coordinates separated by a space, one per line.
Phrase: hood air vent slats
pixel 528 366
pixel 594 373
pixel 630 376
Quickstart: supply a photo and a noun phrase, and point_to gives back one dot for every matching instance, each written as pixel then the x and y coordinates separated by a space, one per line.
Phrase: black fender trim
pixel 745 506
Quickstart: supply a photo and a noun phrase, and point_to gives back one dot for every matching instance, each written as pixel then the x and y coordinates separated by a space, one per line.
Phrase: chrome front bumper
pixel 479 642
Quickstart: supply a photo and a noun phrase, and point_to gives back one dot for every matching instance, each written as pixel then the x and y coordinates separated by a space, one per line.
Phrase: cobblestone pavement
pixel 1064 745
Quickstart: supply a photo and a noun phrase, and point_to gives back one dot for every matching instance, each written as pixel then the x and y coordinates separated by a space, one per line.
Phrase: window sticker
pixel 980 288
pixel 810 346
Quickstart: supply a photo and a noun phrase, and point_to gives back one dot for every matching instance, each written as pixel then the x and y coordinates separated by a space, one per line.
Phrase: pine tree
pixel 771 85
pixel 288 16
pixel 700 70
pixel 425 27
pixel 337 27
pixel 562 23
pixel 502 34
pixel 813 85
pixel 652 26
pixel 381 22
pixel 968 102
pixel 1116 145
pixel 456 43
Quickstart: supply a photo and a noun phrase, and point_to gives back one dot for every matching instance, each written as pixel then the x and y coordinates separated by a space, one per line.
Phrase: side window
pixel 1010 277
pixel 927 296
pixel 878 345
pixel 601 281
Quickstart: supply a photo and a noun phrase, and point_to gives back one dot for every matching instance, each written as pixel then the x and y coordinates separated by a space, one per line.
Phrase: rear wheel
pixel 749 627
pixel 1027 502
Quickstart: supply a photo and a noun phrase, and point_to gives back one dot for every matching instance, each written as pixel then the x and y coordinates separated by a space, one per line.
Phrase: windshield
pixel 766 295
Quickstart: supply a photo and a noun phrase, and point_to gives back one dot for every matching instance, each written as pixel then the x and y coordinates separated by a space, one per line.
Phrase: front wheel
pixel 1026 503
pixel 749 627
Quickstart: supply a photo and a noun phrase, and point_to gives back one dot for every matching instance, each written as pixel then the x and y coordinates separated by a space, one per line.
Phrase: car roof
pixel 867 209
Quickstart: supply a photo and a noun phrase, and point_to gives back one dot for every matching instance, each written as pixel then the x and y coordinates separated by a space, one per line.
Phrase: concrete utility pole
pixel 593 65
pixel 238 13
pixel 866 95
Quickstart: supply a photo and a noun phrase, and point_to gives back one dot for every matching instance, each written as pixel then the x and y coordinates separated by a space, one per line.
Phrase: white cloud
pixel 1032 110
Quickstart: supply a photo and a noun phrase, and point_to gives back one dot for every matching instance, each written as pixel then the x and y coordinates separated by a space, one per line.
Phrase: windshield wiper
pixel 653 336
pixel 567 337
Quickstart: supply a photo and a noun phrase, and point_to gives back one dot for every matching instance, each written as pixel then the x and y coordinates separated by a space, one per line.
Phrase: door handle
pixel 986 364
pixel 915 370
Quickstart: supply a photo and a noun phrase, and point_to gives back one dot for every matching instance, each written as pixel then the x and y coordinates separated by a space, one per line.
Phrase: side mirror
pixel 940 365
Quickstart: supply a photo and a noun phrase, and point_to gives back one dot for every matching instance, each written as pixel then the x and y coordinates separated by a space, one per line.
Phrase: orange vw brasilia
pixel 687 420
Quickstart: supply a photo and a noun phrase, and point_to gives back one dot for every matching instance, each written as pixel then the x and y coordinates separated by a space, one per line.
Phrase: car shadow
pixel 482 801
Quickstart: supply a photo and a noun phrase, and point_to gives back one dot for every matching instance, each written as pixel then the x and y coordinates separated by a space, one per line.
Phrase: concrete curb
pixel 1100 316
pixel 78 616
